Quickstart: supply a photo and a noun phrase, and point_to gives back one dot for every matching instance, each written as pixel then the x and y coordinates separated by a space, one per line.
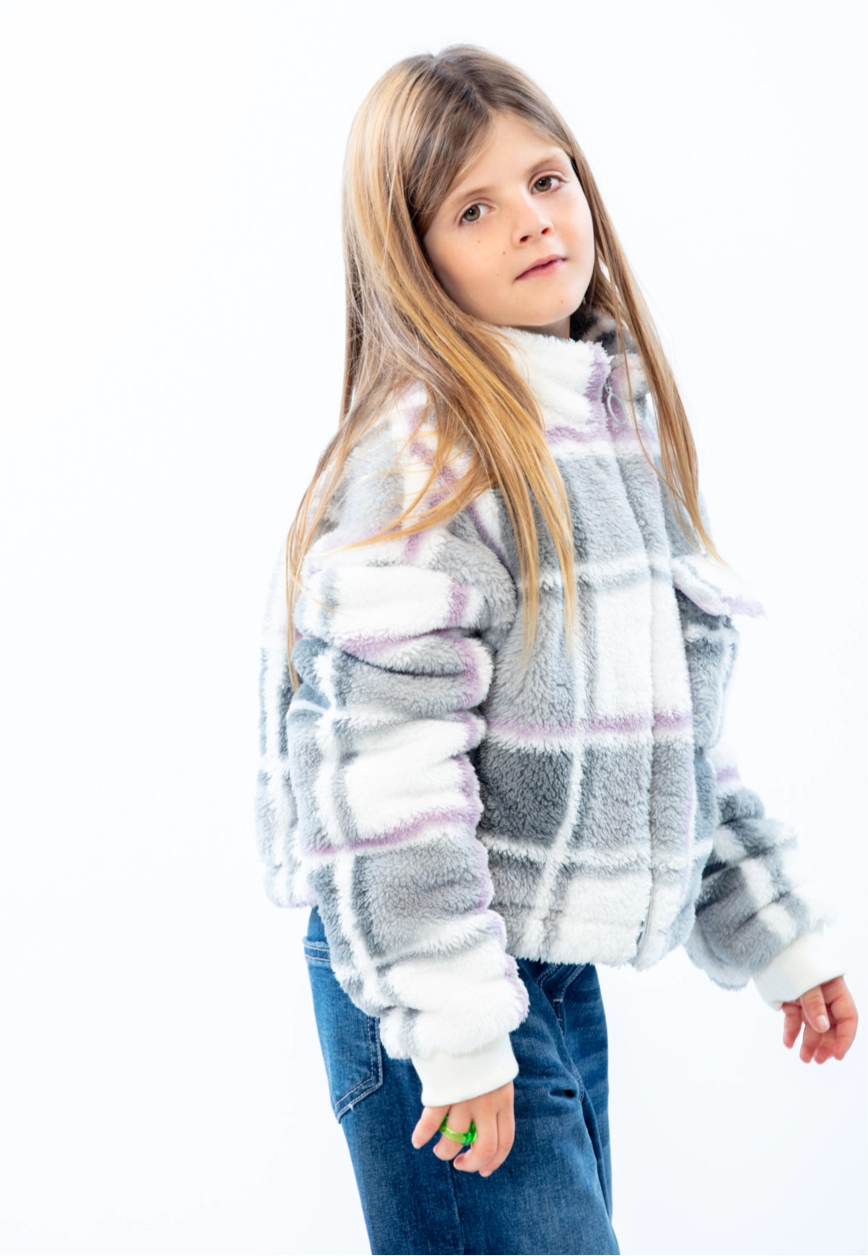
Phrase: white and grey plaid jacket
pixel 446 814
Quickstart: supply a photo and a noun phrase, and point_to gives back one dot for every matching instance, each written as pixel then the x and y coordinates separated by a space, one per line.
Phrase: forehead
pixel 511 146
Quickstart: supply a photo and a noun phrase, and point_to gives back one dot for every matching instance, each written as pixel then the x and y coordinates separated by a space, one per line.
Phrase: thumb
pixel 814 1008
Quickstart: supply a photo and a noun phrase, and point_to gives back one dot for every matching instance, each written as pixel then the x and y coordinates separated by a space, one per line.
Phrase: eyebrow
pixel 458 197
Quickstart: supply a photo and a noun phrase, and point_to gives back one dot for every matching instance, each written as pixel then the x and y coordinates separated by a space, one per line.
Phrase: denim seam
pixel 576 1072
pixel 577 969
pixel 451 1170
pixel 540 977
pixel 370 1083
pixel 319 953
pixel 552 968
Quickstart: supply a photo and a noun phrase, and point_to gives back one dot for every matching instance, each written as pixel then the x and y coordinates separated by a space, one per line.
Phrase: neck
pixel 559 328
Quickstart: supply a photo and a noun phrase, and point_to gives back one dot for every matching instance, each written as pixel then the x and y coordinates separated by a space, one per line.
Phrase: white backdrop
pixel 171 342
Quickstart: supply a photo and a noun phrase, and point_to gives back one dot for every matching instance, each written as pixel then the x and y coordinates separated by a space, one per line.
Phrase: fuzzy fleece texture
pixel 446 816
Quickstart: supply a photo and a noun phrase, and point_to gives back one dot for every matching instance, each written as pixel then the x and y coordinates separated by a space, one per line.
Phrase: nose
pixel 531 220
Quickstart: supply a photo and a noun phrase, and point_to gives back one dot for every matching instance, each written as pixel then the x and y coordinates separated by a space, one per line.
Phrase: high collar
pixel 572 377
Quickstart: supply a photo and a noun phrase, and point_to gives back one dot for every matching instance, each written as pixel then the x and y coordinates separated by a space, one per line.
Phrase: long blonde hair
pixel 421 125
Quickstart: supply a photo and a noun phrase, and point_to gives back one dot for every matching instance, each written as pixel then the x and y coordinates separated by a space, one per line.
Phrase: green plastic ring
pixel 459 1138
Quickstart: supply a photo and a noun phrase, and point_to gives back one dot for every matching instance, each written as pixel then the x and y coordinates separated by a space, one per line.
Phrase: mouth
pixel 545 266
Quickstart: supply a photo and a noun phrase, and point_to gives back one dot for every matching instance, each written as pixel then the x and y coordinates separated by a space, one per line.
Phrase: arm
pixel 276 809
pixel 395 658
pixel 756 918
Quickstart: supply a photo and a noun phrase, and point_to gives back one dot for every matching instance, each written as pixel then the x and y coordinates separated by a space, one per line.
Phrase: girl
pixel 493 675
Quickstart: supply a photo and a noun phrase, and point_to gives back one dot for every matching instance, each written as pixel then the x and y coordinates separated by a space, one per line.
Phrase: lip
pixel 545 266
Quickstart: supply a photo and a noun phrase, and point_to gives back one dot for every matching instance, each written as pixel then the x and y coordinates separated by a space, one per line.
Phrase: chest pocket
pixel 708 595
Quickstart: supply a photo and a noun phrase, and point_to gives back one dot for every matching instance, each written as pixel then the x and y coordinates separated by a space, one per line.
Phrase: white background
pixel 171 341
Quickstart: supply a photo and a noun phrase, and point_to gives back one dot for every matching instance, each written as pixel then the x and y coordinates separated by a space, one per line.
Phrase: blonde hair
pixel 421 125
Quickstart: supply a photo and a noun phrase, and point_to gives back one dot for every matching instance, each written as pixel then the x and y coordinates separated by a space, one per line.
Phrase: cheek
pixel 465 266
pixel 437 253
pixel 589 224
pixel 585 225
pixel 445 261
pixel 589 231
pixel 581 225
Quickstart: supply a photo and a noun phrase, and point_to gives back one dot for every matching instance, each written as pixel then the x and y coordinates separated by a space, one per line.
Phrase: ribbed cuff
pixel 452 1078
pixel 805 963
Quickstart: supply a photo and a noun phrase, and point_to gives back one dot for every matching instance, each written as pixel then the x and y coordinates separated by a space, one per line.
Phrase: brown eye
pixel 545 178
pixel 475 211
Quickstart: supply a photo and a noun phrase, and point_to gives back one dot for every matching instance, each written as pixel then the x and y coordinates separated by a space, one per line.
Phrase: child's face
pixel 517 205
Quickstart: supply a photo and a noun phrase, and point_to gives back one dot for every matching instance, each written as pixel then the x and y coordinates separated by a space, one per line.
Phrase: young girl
pixel 493 675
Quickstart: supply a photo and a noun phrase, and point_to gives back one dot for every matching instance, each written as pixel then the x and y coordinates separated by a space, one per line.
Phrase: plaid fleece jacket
pixel 446 814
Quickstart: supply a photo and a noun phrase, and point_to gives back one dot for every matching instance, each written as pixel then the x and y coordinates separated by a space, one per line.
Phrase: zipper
pixel 643 932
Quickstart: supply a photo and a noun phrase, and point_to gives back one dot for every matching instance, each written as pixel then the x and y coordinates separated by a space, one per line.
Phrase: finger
pixel 826 1044
pixel 792 1023
pixel 844 1015
pixel 845 1032
pixel 833 989
pixel 826 1048
pixel 814 1006
pixel 484 1147
pixel 810 1042
pixel 504 1136
pixel 458 1119
pixel 505 1139
pixel 427 1125
pixel 842 1005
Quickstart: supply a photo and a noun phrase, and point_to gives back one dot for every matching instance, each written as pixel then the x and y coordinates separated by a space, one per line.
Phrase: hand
pixel 493 1115
pixel 829 1016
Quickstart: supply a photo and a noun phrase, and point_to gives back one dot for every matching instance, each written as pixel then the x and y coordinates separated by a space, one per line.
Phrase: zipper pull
pixel 610 395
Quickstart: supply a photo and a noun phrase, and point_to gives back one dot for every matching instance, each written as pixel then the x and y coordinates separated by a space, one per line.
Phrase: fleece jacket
pixel 448 814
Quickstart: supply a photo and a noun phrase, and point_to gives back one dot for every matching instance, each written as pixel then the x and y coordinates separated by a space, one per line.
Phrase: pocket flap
pixel 713 587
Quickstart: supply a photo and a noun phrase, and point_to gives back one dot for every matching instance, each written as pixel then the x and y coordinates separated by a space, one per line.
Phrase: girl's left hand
pixel 829 1016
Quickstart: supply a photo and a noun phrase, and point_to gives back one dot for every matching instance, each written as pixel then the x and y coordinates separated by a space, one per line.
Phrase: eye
pixel 476 210
pixel 549 179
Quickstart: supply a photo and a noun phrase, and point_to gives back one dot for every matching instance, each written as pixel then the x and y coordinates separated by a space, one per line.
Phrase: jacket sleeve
pixel 394 648
pixel 757 916
pixel 276 822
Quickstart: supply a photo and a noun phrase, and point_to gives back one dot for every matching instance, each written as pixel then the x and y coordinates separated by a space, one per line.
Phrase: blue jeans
pixel 552 1193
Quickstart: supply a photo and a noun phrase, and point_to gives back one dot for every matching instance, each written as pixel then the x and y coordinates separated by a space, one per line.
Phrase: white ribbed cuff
pixel 805 963
pixel 452 1078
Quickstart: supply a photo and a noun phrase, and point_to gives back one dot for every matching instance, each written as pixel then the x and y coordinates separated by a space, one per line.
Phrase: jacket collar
pixel 571 378
pixel 578 383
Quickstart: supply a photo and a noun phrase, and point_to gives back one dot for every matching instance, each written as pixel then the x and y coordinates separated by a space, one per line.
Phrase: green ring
pixel 459 1138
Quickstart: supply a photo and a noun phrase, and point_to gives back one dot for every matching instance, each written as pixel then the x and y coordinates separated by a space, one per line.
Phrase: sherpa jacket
pixel 446 815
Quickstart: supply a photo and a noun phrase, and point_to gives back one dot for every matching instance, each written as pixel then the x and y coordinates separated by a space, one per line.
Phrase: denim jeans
pixel 553 1192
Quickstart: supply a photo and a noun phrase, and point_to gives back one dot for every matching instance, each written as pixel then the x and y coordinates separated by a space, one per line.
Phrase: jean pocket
pixel 349 1038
